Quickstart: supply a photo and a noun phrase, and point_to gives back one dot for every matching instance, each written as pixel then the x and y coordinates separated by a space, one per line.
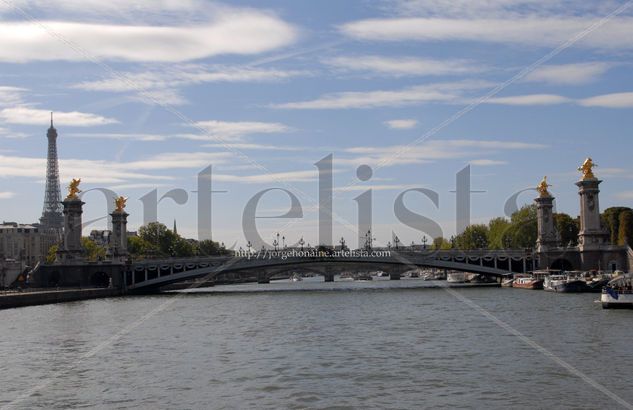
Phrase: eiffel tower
pixel 52 219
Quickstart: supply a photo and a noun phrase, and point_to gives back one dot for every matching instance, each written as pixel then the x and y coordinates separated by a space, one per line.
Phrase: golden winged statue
pixel 73 188
pixel 120 203
pixel 587 169
pixel 542 188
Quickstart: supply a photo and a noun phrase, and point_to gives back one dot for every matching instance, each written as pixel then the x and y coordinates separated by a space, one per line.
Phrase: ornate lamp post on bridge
pixel 249 245
pixel 396 241
pixel 302 242
pixel 276 241
pixel 369 239
pixel 424 241
pixel 342 242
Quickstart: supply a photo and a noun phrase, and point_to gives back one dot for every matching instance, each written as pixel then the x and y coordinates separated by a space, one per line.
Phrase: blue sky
pixel 148 93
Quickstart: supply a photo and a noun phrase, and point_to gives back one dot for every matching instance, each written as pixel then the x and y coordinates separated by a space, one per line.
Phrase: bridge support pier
pixel 394 276
pixel 262 278
pixel 329 277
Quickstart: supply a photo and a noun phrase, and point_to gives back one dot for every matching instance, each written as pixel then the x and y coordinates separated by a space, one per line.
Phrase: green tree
pixel 183 248
pixel 208 247
pixel 137 246
pixel 611 218
pixel 440 243
pixel 567 228
pixel 473 237
pixel 93 251
pixel 497 228
pixel 162 240
pixel 626 228
pixel 522 232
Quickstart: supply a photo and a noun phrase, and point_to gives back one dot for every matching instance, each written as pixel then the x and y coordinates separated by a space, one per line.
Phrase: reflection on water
pixel 376 344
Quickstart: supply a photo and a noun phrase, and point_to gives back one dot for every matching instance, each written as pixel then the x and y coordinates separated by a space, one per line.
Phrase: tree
pixel 611 218
pixel 162 239
pixel 182 248
pixel 473 237
pixel 93 251
pixel 208 247
pixel 626 228
pixel 567 228
pixel 440 243
pixel 138 246
pixel 497 229
pixel 522 232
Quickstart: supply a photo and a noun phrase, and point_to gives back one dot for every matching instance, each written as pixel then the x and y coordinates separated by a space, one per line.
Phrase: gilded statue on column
pixel 542 188
pixel 120 203
pixel 73 188
pixel 587 169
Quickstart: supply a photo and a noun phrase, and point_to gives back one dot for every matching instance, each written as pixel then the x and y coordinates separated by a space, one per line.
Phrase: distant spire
pixel 52 119
pixel 175 229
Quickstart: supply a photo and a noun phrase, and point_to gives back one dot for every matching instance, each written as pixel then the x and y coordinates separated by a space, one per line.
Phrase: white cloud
pixel 111 172
pixel 11 95
pixel 402 124
pixel 7 133
pixel 291 176
pixel 117 136
pixel 162 83
pixel 495 8
pixel 403 66
pixel 435 150
pixel 440 92
pixel 6 195
pixel 531 30
pixel 34 116
pixel 531 99
pixel 352 188
pixel 230 32
pixel 615 100
pixel 236 130
pixel 252 146
pixel 111 7
pixel 486 162
pixel 579 73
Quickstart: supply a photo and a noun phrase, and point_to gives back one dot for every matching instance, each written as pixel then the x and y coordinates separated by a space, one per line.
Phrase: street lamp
pixel 424 240
pixel 396 240
pixel 249 245
pixel 276 241
pixel 369 240
pixel 342 242
pixel 302 242
pixel 283 240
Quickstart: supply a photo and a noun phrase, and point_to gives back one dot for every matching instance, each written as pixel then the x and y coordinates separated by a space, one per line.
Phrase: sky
pixel 147 93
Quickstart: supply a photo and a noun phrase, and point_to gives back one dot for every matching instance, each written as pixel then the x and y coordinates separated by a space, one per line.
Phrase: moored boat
pixel 551 282
pixel 362 276
pixel 527 281
pixel 507 282
pixel 456 277
pixel 618 293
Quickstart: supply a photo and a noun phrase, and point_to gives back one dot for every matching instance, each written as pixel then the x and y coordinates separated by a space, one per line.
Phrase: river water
pixel 366 345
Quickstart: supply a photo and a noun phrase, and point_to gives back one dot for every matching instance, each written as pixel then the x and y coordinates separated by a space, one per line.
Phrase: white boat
pixel 382 274
pixel 618 293
pixel 552 282
pixel 456 277
pixel 296 278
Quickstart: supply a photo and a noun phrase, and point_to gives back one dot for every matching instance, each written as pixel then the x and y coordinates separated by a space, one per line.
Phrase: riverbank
pixel 45 297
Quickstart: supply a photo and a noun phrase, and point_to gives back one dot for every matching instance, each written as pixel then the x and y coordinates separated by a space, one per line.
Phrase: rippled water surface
pixel 377 344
